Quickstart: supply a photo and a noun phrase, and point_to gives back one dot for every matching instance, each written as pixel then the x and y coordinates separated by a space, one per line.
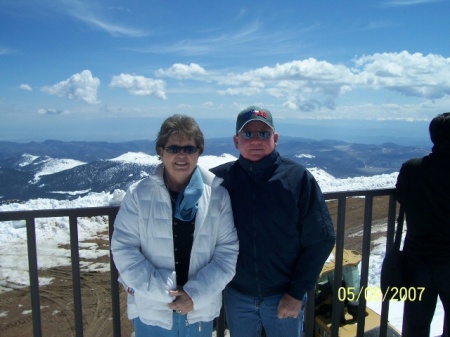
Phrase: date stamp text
pixel 372 293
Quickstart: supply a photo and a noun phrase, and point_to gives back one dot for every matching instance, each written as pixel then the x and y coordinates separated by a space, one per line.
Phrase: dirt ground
pixel 57 303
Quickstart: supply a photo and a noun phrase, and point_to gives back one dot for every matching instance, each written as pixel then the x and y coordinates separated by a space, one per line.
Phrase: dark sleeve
pixel 407 173
pixel 399 186
pixel 317 238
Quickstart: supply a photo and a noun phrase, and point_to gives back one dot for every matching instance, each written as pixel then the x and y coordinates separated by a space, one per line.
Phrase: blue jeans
pixel 248 315
pixel 179 328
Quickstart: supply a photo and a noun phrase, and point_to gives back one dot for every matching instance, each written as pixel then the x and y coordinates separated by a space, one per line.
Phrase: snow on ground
pixel 48 165
pixel 138 158
pixel 146 159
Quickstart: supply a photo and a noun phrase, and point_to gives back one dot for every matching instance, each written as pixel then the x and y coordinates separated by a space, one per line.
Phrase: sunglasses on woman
pixel 188 149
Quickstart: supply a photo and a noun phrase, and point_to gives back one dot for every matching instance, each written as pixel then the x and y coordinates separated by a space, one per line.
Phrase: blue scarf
pixel 186 205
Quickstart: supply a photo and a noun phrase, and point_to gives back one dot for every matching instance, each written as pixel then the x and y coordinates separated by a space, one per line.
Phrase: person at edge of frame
pixel 423 188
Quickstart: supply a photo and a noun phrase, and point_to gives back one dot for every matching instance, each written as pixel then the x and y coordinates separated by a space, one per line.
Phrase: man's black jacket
pixel 284 227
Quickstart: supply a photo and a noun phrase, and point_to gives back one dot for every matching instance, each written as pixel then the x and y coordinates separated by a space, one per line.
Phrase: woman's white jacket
pixel 143 251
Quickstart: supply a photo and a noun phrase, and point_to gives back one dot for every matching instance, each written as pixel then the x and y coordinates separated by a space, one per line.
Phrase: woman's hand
pixel 183 302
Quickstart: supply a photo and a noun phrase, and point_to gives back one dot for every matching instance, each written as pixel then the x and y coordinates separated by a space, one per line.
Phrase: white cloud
pixel 6 51
pixel 81 86
pixel 139 85
pixel 399 3
pixel 409 74
pixel 52 112
pixel 291 105
pixel 245 91
pixel 181 71
pixel 230 42
pixel 308 70
pixel 25 87
pixel 111 28
pixel 208 104
pixel 96 16
pixel 311 84
pixel 308 75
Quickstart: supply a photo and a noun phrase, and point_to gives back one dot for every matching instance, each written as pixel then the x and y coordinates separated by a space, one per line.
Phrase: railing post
pixel 115 289
pixel 220 327
pixel 309 314
pixel 337 305
pixel 34 277
pixel 368 205
pixel 76 279
pixel 389 242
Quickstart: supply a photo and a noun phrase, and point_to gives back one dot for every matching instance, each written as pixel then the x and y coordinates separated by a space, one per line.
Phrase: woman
pixel 174 240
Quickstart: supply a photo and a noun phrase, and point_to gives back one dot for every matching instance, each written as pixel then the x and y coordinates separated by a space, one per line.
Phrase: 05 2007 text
pixel 373 293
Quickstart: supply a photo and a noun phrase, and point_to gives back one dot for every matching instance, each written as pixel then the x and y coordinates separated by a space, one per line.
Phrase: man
pixel 284 229
pixel 423 188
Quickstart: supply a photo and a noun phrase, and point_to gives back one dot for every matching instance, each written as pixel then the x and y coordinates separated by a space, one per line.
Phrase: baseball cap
pixel 253 113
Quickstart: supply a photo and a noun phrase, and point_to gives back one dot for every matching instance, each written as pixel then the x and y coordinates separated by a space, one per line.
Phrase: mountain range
pixel 65 170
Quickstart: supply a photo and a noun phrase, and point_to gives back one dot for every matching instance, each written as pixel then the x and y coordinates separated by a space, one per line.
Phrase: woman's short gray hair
pixel 182 125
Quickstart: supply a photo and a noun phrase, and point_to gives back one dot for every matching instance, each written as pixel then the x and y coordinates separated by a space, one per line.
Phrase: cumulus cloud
pixel 409 74
pixel 25 87
pixel 308 75
pixel 291 105
pixel 52 112
pixel 139 85
pixel 244 91
pixel 311 84
pixel 82 86
pixel 181 71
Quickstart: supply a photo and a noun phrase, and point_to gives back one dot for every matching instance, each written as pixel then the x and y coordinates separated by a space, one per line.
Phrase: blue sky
pixel 113 70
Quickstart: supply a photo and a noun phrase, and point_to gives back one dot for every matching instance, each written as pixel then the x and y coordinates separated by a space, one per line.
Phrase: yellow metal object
pixel 350 258
pixel 323 305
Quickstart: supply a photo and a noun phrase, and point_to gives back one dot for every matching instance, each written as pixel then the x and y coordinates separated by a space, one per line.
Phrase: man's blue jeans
pixel 248 315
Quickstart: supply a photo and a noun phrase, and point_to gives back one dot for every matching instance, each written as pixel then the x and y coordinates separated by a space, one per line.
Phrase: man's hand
pixel 183 302
pixel 289 307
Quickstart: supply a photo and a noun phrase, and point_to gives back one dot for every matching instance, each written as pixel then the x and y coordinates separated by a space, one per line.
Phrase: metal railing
pixel 111 212
pixel 337 305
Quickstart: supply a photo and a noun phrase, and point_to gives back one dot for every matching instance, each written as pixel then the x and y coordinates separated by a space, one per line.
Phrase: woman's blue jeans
pixel 180 328
pixel 248 315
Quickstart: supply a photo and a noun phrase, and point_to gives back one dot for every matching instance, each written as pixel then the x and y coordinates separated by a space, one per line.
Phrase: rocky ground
pixel 57 303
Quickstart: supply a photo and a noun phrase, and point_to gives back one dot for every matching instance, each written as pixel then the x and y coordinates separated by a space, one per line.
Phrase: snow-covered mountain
pixel 56 170
pixel 33 177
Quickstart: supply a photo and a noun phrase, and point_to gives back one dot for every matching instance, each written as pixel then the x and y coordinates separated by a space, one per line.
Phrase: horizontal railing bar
pixel 112 210
pixel 358 193
pixel 59 212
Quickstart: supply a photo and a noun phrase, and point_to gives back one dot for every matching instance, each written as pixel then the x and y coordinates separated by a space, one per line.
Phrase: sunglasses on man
pixel 261 134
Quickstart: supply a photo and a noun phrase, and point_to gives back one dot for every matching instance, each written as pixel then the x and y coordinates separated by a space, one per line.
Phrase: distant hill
pixel 61 170
pixel 84 151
